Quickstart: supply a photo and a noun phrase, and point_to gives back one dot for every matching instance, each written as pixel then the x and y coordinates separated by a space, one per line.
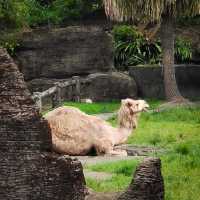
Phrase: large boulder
pixel 149 80
pixel 29 170
pixel 64 52
pixel 99 86
pixel 109 86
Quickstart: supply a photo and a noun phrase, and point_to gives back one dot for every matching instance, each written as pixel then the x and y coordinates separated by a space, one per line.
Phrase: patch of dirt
pixel 99 176
pixel 133 150
pixel 93 160
pixel 103 196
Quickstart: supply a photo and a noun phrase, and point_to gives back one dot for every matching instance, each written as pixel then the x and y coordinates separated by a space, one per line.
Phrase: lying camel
pixel 76 133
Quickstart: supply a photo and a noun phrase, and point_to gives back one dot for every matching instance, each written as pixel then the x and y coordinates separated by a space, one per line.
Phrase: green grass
pixel 178 132
pixel 167 128
pixel 95 108
pixel 175 130
pixel 122 175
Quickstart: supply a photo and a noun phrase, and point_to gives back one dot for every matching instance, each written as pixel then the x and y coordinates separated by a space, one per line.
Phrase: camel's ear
pixel 128 104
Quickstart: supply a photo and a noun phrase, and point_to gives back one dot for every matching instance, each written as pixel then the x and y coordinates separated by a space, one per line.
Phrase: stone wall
pixel 29 170
pixel 149 80
pixel 64 52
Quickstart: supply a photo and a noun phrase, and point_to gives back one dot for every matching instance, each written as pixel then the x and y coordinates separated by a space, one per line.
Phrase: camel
pixel 76 133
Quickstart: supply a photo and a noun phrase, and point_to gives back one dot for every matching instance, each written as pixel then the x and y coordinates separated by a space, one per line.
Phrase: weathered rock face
pixel 147 183
pixel 42 84
pixel 100 87
pixel 64 52
pixel 150 84
pixel 29 171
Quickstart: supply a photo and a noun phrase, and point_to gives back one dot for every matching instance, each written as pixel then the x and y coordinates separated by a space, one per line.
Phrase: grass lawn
pixel 94 108
pixel 178 132
pixel 122 173
pixel 100 107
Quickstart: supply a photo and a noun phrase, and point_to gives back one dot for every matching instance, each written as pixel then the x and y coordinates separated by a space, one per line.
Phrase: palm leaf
pixel 149 10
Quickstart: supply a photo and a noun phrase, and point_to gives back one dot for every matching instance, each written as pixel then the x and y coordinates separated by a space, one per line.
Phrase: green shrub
pixel 14 13
pixel 132 48
pixel 11 47
pixel 189 20
pixel 183 50
pixel 182 148
pixel 10 14
pixel 125 33
pixel 10 42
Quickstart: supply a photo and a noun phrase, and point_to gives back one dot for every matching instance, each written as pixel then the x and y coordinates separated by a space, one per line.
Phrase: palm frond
pixel 149 10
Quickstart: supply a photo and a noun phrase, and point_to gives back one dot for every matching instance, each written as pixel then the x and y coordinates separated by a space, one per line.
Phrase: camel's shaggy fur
pixel 76 133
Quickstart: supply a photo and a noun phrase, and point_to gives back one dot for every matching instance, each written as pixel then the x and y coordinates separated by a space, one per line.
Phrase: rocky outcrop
pixel 109 86
pixel 98 87
pixel 29 171
pixel 149 80
pixel 64 52
pixel 147 184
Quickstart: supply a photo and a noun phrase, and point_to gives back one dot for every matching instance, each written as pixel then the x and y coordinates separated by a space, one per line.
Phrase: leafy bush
pixel 10 42
pixel 183 50
pixel 11 47
pixel 36 12
pixel 189 20
pixel 10 15
pixel 132 48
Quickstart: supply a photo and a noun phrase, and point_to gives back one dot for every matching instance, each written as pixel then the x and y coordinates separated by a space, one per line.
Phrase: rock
pixel 149 80
pixel 64 52
pixel 133 150
pixel 100 87
pixel 109 86
pixel 42 84
pixel 147 183
pixel 29 170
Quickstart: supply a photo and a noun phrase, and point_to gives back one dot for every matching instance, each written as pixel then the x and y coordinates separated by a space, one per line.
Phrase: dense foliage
pixel 16 13
pixel 183 50
pixel 133 48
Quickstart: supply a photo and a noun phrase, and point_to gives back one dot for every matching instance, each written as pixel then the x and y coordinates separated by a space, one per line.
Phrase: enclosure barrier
pixel 55 92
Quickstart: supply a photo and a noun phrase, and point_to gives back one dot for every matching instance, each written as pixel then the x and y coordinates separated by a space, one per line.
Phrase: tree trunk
pixel 167 38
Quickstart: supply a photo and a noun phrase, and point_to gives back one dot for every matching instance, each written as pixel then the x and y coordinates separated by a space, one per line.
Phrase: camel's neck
pixel 122 135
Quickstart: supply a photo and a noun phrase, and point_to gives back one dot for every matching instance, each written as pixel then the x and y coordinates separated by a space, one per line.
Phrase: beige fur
pixel 76 133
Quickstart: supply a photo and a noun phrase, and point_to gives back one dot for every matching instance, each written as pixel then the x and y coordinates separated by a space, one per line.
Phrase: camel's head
pixel 128 113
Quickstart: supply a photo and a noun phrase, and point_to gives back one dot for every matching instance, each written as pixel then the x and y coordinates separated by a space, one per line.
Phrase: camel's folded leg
pixel 105 147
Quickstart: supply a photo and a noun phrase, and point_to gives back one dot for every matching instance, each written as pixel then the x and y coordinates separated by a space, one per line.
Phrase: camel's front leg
pixel 105 147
